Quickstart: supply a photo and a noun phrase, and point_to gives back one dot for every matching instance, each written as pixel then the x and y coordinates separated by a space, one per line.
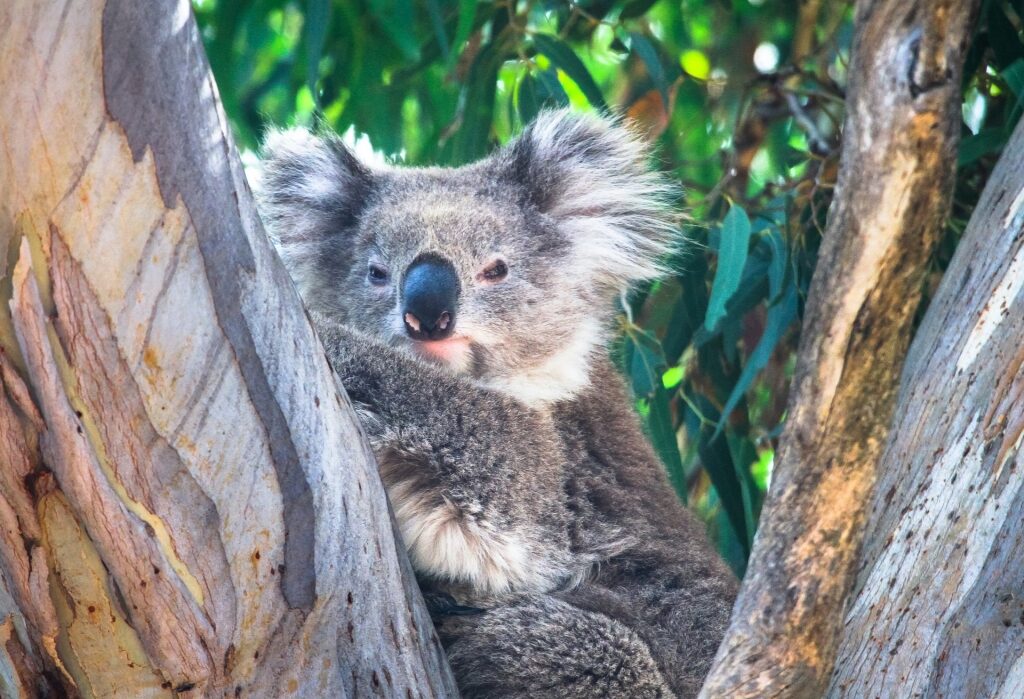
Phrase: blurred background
pixel 744 101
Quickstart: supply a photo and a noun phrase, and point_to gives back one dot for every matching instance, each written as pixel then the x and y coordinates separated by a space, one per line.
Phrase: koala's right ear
pixel 310 188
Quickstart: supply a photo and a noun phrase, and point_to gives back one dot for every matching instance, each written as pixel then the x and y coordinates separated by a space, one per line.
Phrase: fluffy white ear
pixel 591 175
pixel 310 189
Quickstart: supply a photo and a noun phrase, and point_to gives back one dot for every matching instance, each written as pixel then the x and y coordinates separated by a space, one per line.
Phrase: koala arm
pixel 476 479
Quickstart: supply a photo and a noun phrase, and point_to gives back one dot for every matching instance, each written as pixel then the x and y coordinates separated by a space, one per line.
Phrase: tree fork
pixel 892 197
pixel 187 506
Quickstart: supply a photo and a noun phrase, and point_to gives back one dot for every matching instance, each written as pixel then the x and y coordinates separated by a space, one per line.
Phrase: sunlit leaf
pixel 672 377
pixel 566 59
pixel 762 469
pixel 695 63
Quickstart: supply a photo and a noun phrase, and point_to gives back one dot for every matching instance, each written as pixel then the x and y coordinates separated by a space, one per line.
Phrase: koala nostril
pixel 430 295
pixel 422 330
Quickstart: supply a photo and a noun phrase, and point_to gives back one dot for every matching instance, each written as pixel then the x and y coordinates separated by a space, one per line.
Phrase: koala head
pixel 505 270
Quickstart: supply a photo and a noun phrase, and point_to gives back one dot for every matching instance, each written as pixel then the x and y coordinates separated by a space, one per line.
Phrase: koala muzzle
pixel 430 296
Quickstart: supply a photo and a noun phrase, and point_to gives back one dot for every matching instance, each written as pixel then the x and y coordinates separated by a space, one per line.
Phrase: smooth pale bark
pixel 186 503
pixel 938 609
pixel 895 182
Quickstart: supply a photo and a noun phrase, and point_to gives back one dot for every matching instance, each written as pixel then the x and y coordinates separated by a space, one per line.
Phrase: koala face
pixel 504 270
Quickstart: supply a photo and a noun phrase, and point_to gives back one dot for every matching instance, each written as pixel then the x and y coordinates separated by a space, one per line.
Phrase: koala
pixel 468 313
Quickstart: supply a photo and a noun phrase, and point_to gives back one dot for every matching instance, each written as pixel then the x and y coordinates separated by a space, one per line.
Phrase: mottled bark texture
pixel 895 182
pixel 187 506
pixel 938 608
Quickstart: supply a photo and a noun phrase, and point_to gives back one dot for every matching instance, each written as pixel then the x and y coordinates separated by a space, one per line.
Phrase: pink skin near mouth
pixel 453 350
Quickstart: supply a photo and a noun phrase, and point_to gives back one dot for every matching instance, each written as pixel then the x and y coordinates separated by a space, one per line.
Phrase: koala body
pixel 467 312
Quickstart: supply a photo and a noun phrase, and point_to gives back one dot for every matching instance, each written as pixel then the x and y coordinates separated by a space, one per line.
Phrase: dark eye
pixel 377 274
pixel 495 272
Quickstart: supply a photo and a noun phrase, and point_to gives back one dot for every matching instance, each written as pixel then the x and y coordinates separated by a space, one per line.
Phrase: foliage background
pixel 744 101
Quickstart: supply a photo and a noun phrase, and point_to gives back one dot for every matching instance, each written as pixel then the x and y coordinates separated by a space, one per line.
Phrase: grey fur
pixel 517 469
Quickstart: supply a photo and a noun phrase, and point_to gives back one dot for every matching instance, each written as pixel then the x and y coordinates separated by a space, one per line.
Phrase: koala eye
pixel 377 275
pixel 494 272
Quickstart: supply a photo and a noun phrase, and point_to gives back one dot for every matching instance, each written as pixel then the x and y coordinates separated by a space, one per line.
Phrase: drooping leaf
pixel 1003 36
pixel 467 15
pixel 551 92
pixel 690 308
pixel 648 361
pixel 1014 77
pixel 778 320
pixel 472 140
pixel 396 18
pixel 437 22
pixel 744 456
pixel 635 8
pixel 562 56
pixel 314 35
pixel 645 50
pixel 527 98
pixel 662 430
pixel 732 258
pixel 981 144
pixel 717 461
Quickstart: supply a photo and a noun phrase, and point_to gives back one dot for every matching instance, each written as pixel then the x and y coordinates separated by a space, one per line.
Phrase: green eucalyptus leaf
pixel 396 18
pixel 314 35
pixel 528 99
pixel 732 258
pixel 778 320
pixel 662 431
pixel 550 91
pixel 562 56
pixel 1003 36
pixel 648 361
pixel 467 16
pixel 981 144
pixel 473 139
pixel 716 459
pixel 437 22
pixel 645 51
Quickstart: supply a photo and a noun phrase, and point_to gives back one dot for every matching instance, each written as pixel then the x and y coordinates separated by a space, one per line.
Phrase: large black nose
pixel 430 295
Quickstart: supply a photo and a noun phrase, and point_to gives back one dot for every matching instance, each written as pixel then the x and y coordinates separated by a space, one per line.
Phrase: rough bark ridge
pixel 186 504
pixel 896 176
pixel 938 609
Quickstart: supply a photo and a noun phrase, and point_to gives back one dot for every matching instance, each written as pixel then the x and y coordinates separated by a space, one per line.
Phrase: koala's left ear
pixel 591 175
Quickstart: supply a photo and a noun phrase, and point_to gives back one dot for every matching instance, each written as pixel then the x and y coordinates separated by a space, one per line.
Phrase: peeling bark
pixel 895 182
pixel 186 503
pixel 938 609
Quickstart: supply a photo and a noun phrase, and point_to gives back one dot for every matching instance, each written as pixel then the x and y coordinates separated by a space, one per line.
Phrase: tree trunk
pixel 186 504
pixel 938 609
pixel 895 183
